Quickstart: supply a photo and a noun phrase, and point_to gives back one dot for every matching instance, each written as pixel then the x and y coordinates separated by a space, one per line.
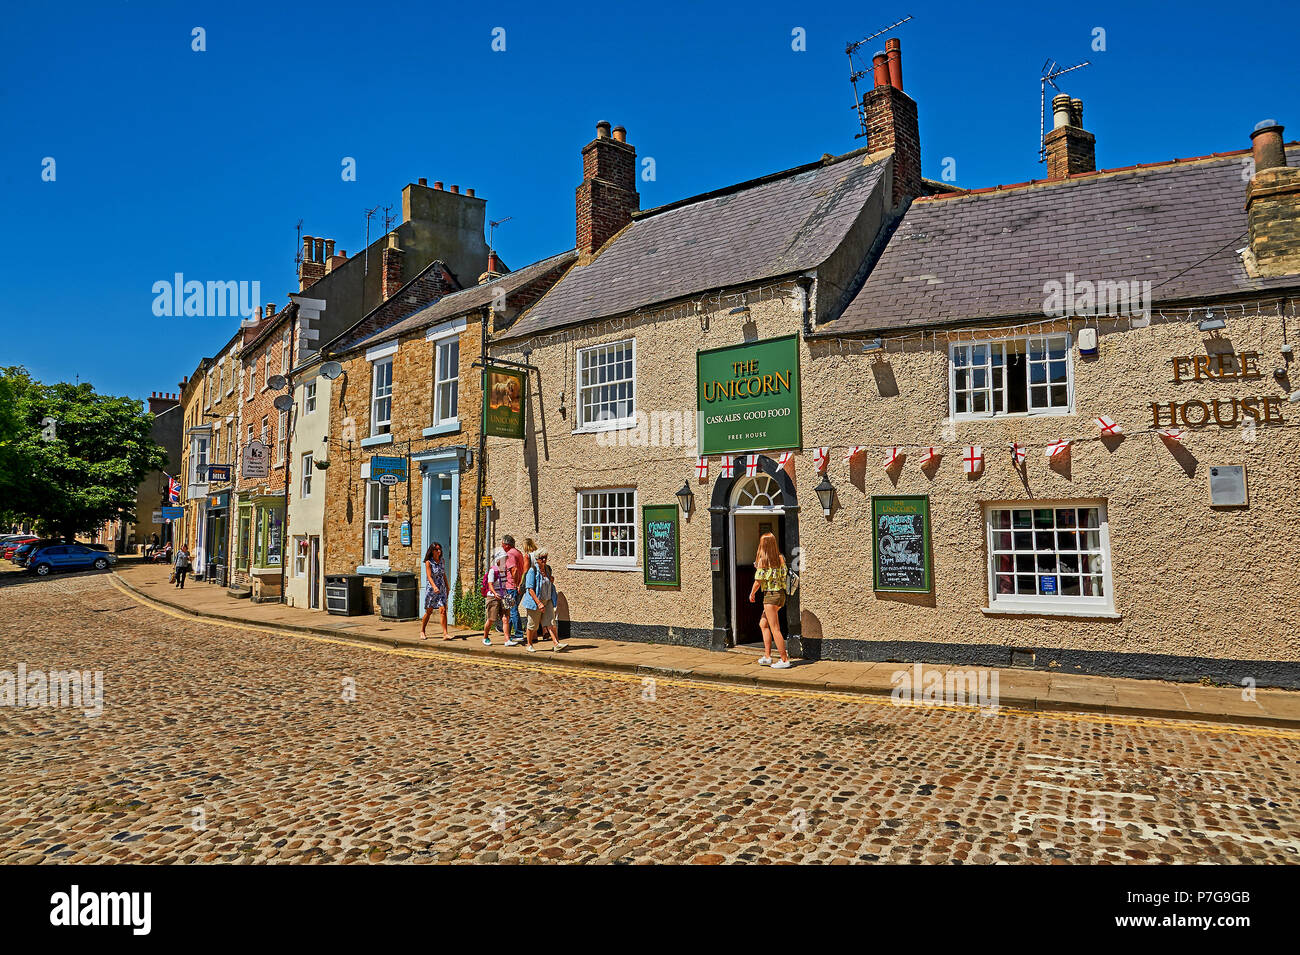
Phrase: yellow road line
pixel 1263 732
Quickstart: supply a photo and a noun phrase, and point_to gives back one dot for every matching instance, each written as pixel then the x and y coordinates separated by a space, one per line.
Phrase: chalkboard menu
pixel 900 544
pixel 659 535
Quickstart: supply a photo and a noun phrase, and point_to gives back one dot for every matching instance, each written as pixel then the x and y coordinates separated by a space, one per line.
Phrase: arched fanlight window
pixel 758 491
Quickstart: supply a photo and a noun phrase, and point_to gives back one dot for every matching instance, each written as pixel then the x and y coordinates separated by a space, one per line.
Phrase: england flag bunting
pixel 892 457
pixel 973 459
pixel 702 468
pixel 1171 434
pixel 1057 448
pixel 853 453
pixel 786 458
pixel 728 466
pixel 751 465
pixel 173 490
pixel 822 457
pixel 1108 426
pixel 1017 453
pixel 930 456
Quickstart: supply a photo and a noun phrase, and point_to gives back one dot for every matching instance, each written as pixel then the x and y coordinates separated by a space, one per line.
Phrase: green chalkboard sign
pixel 659 538
pixel 900 544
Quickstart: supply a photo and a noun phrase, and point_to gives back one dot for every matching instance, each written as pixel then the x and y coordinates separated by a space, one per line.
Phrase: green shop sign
pixel 749 397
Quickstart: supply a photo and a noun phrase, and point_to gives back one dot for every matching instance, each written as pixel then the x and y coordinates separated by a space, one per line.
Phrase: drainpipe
pixel 806 284
pixel 479 550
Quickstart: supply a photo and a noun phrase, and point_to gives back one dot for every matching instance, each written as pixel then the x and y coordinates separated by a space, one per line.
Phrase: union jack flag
pixel 702 468
pixel 173 490
pixel 1017 453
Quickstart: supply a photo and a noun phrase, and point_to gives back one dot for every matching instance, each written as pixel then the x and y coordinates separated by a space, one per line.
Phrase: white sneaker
pixel 781 665
pixel 487 641
pixel 512 642
pixel 532 649
pixel 765 661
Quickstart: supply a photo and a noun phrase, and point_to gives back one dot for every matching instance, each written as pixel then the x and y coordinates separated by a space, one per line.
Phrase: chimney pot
pixel 423 181
pixel 894 55
pixel 437 184
pixel 1061 110
pixel 1266 145
pixel 880 69
pixel 469 192
pixel 270 310
pixel 1069 148
pixel 329 249
pixel 1076 113
pixel 602 130
pixel 455 189
pixel 620 134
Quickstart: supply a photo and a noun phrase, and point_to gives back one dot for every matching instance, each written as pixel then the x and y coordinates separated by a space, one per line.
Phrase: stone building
pixel 411 392
pixel 1054 415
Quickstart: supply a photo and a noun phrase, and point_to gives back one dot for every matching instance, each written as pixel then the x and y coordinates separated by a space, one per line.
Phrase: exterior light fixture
pixel 1210 322
pixel 686 498
pixel 739 310
pixel 825 492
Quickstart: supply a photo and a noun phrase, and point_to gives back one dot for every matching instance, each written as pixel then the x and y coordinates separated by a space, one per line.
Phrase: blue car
pixel 68 557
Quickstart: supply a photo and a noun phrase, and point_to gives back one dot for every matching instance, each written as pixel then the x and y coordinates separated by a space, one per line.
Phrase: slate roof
pixel 466 300
pixel 776 225
pixel 987 255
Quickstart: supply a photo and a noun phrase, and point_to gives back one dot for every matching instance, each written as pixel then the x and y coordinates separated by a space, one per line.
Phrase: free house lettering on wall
pixel 1226 412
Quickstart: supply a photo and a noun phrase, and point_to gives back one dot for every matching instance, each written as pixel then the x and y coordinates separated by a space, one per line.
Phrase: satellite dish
pixel 283 402
pixel 276 382
pixel 331 370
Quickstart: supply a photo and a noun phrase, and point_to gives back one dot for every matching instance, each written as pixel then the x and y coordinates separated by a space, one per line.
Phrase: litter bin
pixel 345 594
pixel 397 597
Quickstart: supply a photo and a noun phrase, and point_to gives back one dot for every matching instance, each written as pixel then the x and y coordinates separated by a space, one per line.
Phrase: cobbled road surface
pixel 222 744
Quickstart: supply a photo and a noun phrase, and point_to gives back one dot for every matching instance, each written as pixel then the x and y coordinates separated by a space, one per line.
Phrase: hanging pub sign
pixel 662 548
pixel 388 470
pixel 503 402
pixel 900 544
pixel 253 461
pixel 748 397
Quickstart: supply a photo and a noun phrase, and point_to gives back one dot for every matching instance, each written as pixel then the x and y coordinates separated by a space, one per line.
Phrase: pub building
pixel 962 464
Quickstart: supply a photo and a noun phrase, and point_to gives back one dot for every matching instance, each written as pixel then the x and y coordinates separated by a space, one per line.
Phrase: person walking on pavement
pixel 536 590
pixel 771 575
pixel 516 565
pixel 549 615
pixel 182 566
pixel 494 589
pixel 435 589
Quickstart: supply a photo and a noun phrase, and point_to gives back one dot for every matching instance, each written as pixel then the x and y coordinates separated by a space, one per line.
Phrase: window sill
pixel 965 418
pixel 372 570
pixel 1099 613
pixel 623 424
pixel 447 427
pixel 595 565
pixel 376 439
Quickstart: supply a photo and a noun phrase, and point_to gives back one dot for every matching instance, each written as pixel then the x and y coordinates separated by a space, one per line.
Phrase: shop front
pixel 217 536
pixel 259 545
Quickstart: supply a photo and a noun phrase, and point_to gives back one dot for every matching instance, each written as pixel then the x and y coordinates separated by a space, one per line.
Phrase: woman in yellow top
pixel 770 574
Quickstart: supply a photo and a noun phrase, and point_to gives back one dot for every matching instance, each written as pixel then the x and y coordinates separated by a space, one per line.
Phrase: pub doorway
pixel 757 508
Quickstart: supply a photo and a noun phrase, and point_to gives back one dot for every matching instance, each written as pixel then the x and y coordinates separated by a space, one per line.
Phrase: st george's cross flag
pixel 702 468
pixel 853 453
pixel 786 458
pixel 728 466
pixel 822 457
pixel 1109 427
pixel 173 490
pixel 892 457
pixel 973 459
pixel 929 456
pixel 1171 434
pixel 751 465
pixel 1057 448
pixel 1017 453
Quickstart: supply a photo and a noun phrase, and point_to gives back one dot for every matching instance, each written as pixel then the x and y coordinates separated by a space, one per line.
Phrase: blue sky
pixel 170 160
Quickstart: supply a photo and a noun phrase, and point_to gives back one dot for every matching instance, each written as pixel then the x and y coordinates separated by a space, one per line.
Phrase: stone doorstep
pixel 1027 689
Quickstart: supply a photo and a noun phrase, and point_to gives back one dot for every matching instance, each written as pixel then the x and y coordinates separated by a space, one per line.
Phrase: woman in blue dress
pixel 435 589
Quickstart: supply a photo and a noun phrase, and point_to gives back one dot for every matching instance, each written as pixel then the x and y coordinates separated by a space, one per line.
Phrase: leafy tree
pixel 89 471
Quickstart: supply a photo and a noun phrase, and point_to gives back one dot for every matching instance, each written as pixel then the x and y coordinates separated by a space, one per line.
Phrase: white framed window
pixel 607 386
pixel 230 382
pixel 607 526
pixel 210 390
pixel 281 431
pixel 252 377
pixel 198 459
pixel 230 440
pixel 266 371
pixel 306 474
pixel 1049 556
pixel 284 353
pixel 381 397
pixel 1028 375
pixel 266 429
pixel 446 381
pixel 249 440
pixel 216 443
pixel 301 550
pixel 376 542
pixel 309 398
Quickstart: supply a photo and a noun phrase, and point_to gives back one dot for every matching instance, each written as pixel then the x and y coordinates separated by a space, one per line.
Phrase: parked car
pixel 44 560
pixel 25 550
pixel 11 546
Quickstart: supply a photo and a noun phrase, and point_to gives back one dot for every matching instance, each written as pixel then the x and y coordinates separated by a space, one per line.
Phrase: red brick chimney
pixel 607 197
pixel 160 401
pixel 892 123
pixel 392 268
pixel 313 260
pixel 1070 148
pixel 1272 206
pixel 494 270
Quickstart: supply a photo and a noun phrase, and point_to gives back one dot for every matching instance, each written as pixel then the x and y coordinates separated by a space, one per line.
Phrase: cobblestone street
pixel 222 744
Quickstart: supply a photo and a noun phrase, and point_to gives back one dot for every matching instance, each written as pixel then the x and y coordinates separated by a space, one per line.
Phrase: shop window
pixel 306 474
pixel 243 538
pixel 1050 556
pixel 607 385
pixel 376 545
pixel 446 381
pixel 270 525
pixel 1030 375
pixel 607 526
pixel 381 397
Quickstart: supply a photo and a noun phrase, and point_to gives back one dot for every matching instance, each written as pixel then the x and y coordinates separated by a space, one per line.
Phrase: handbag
pixel 791 581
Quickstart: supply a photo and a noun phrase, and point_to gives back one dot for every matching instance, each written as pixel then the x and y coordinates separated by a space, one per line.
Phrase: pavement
pixel 1026 690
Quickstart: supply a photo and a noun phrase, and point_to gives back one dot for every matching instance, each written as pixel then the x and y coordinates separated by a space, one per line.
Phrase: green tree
pixel 89 470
